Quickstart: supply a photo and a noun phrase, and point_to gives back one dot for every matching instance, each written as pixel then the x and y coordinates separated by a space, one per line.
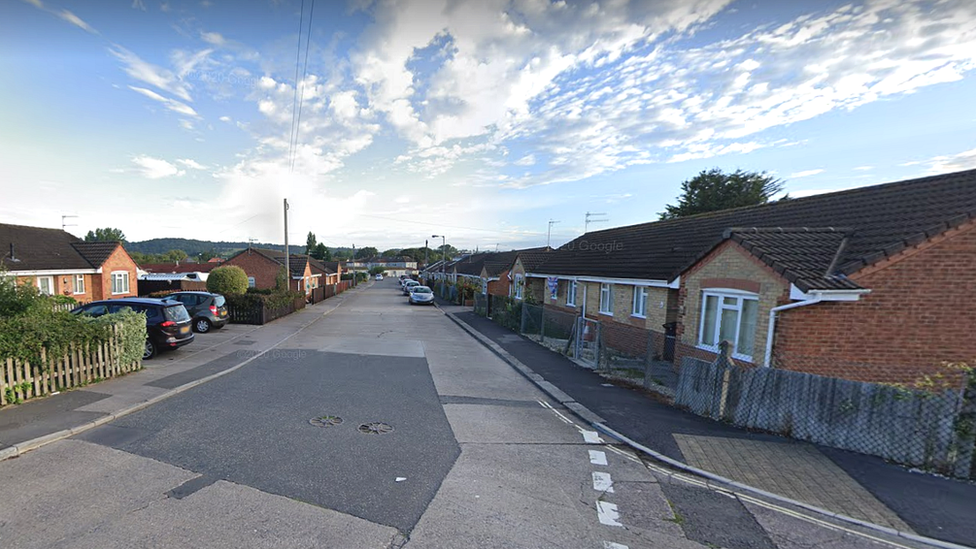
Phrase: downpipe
pixel 767 359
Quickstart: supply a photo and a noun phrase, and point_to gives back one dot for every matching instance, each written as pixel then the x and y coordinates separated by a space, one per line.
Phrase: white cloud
pixel 804 173
pixel 948 163
pixel 171 104
pixel 153 75
pixel 138 5
pixel 864 168
pixel 76 21
pixel 214 38
pixel 527 160
pixel 191 164
pixel 155 168
pixel 225 119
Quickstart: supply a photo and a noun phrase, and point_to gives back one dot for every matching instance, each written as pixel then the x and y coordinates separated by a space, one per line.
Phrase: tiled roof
pixel 883 220
pixel 40 249
pixel 472 264
pixel 322 267
pixel 296 261
pixel 804 256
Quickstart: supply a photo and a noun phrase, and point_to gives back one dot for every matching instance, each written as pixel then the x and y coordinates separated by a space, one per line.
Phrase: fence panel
pixel 587 350
pixel 481 304
pixel 911 427
pixel 506 312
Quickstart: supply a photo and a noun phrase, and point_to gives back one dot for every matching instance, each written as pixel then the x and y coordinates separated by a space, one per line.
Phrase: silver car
pixel 421 295
pixel 409 284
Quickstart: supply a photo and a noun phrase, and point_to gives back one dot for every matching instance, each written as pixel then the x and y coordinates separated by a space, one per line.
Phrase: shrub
pixel 228 280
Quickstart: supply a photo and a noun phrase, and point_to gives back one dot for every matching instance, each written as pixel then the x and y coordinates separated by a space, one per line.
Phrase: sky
pixel 384 122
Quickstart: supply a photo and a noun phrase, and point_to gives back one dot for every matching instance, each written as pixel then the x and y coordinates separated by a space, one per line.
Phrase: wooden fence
pixel 260 313
pixel 911 427
pixel 82 365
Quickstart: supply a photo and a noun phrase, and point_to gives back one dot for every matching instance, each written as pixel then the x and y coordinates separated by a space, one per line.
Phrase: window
pixel 250 282
pixel 730 317
pixel 45 284
pixel 519 286
pixel 571 293
pixel 78 284
pixel 606 299
pixel 120 282
pixel 640 302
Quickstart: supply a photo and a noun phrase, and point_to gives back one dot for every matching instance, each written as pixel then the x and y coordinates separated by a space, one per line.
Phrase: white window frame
pixel 571 293
pixel 519 286
pixel 720 295
pixel 639 305
pixel 250 282
pixel 123 277
pixel 51 289
pixel 606 305
pixel 78 282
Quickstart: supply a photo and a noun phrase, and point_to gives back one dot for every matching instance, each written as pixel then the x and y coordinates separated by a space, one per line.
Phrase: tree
pixel 174 256
pixel 714 190
pixel 446 250
pixel 227 280
pixel 367 252
pixel 392 252
pixel 310 243
pixel 321 253
pixel 377 270
pixel 108 234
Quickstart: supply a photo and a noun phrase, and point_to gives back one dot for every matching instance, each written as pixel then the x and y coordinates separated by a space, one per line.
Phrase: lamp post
pixel 443 252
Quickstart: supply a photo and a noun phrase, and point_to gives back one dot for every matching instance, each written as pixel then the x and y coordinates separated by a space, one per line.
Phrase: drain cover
pixel 326 421
pixel 375 428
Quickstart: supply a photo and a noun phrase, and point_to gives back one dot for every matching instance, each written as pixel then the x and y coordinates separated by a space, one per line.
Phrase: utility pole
pixel 355 277
pixel 287 258
pixel 549 233
pixel 443 252
pixel 63 224
pixel 426 249
pixel 586 224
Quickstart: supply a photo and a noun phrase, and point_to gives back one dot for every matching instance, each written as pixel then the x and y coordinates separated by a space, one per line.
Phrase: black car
pixel 207 310
pixel 167 322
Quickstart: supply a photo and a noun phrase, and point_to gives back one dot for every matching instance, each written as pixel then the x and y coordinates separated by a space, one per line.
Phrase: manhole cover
pixel 326 421
pixel 375 428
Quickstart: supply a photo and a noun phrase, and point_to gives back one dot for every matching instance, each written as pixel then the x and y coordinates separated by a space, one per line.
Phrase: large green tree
pixel 229 279
pixel 310 243
pixel 321 253
pixel 714 190
pixel 108 234
pixel 367 252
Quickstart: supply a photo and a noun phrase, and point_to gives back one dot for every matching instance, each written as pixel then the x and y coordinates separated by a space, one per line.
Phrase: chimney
pixel 12 256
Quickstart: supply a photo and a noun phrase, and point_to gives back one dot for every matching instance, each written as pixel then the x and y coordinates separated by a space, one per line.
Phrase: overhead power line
pixel 301 96
pixel 294 101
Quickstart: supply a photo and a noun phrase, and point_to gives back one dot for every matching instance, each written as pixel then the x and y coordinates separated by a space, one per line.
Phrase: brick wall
pixel 102 283
pixel 727 265
pixel 499 287
pixel 64 285
pixel 264 270
pixel 919 313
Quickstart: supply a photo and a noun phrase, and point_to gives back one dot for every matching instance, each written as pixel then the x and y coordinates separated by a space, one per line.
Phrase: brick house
pixel 262 267
pixel 57 262
pixel 862 284
pixel 330 272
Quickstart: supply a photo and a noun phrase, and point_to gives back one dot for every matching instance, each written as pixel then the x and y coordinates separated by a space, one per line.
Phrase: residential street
pixel 370 424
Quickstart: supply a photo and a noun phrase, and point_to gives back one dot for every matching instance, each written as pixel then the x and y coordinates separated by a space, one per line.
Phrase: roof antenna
pixel 586 225
pixel 63 224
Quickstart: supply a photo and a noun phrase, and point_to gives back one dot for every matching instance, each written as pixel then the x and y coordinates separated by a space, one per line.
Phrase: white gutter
pixel 817 298
pixel 626 281
pixel 53 272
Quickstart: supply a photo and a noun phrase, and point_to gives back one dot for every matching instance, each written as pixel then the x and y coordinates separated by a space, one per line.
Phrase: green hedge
pixel 23 336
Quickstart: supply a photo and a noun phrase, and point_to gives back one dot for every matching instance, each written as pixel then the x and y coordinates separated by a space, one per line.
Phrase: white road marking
pixel 592 437
pixel 598 458
pixel 607 513
pixel 626 455
pixel 612 545
pixel 549 407
pixel 602 482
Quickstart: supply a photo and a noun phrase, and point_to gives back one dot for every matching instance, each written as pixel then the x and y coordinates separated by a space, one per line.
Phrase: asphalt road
pixel 441 444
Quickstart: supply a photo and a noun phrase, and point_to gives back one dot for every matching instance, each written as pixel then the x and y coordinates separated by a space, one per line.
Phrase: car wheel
pixel 149 351
pixel 202 325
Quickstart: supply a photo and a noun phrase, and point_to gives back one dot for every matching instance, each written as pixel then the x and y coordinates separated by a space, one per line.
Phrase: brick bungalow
pixel 262 267
pixel 330 272
pixel 57 262
pixel 865 284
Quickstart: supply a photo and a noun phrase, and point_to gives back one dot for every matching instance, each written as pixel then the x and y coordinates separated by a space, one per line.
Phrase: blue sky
pixel 478 119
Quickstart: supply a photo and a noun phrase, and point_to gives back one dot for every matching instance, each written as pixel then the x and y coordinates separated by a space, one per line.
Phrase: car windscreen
pixel 219 301
pixel 176 313
pixel 422 290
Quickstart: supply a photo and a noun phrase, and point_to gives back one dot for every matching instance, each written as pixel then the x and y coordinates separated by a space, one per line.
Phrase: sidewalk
pixel 37 422
pixel 862 487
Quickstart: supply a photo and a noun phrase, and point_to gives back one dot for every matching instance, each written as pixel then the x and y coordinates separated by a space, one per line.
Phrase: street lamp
pixel 443 252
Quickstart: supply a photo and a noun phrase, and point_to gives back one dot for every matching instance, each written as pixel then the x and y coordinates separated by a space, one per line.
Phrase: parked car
pixel 421 295
pixel 167 322
pixel 379 277
pixel 408 284
pixel 207 310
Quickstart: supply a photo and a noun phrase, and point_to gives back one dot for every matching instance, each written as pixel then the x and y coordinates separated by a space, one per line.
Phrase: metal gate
pixel 587 337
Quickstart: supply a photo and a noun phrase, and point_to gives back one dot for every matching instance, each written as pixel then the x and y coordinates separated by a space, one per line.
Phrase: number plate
pixel 185 329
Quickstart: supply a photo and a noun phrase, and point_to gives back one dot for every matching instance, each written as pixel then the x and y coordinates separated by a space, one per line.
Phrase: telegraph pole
pixel 586 224
pixel 287 258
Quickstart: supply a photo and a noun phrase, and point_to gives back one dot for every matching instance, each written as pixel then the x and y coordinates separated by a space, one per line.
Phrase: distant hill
pixel 196 247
